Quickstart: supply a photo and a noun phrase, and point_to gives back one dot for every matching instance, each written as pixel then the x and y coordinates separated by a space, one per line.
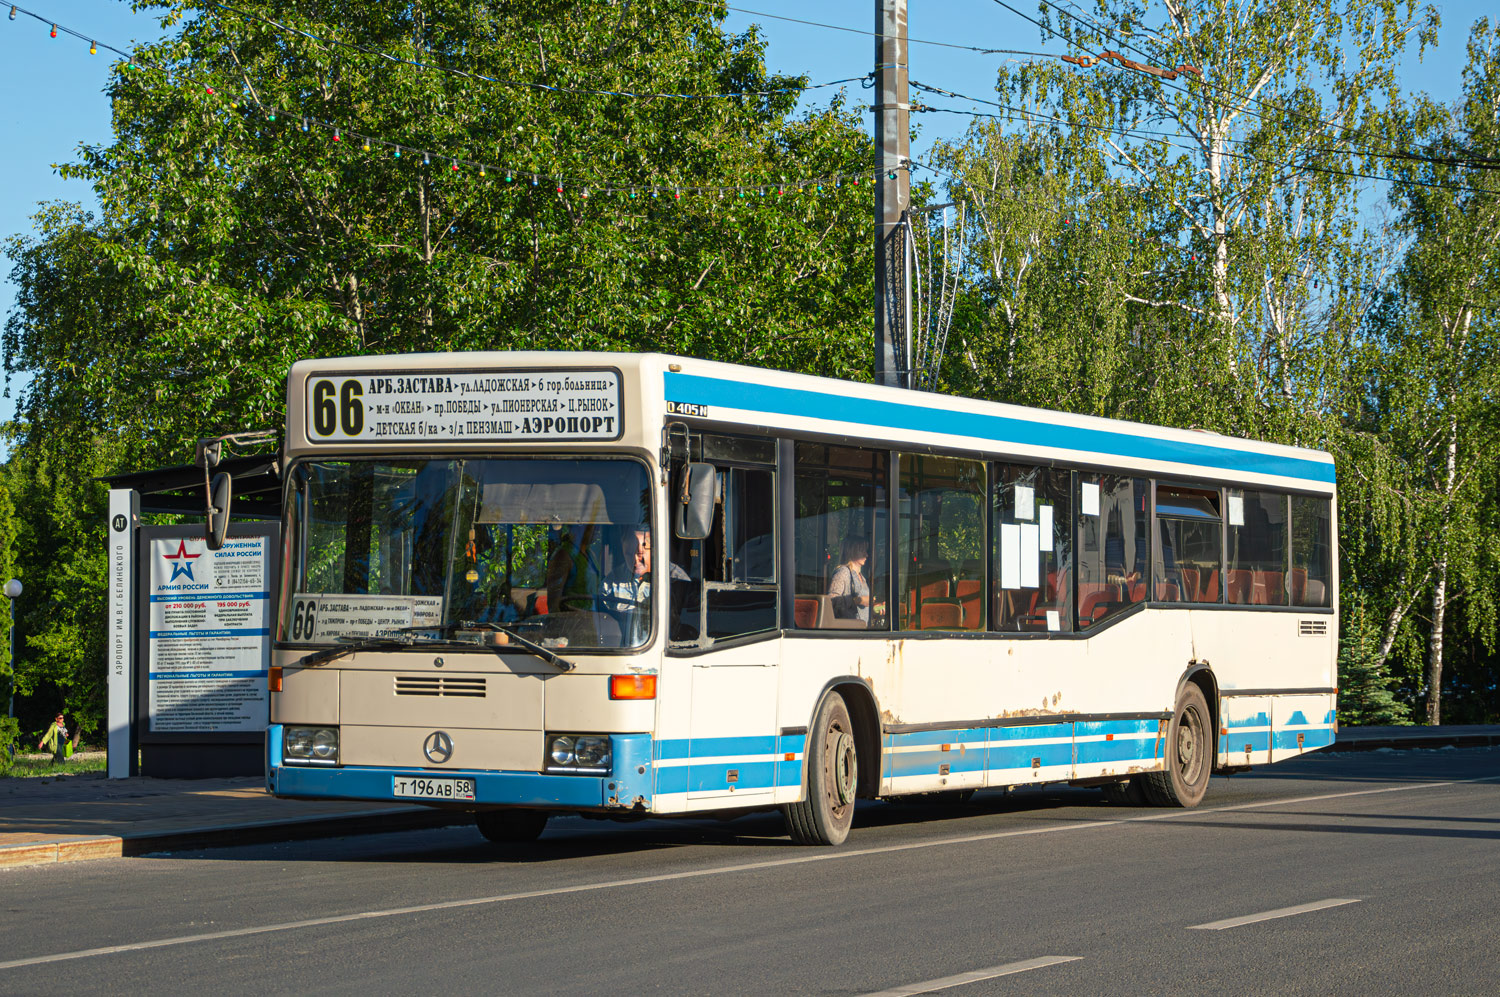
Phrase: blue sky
pixel 53 89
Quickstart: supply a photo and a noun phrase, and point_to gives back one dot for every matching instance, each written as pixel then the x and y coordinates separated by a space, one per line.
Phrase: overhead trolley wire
pixel 1469 160
pixel 1070 215
pixel 1246 157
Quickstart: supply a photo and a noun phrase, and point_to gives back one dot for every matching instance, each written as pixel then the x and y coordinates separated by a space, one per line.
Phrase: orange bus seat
pixel 941 614
pixel 805 612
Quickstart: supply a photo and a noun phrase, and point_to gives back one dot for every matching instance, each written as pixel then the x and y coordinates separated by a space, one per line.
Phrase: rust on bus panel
pixel 895 664
pixel 1044 711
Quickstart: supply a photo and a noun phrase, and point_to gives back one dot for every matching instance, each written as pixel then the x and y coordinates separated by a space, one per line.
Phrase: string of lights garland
pixel 519 177
pixel 1071 220
pixel 94 46
pixel 471 75
pixel 1052 118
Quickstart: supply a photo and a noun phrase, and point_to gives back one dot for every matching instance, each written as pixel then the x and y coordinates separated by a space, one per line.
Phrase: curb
pixel 1409 743
pixel 44 852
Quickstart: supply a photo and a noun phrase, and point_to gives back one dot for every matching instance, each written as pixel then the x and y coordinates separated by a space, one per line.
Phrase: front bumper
pixel 627 786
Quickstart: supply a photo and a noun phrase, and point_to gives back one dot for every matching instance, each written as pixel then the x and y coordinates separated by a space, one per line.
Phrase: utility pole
pixel 892 196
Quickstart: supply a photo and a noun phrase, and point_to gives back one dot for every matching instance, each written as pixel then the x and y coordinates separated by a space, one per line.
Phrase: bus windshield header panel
pixel 559 547
pixel 464 406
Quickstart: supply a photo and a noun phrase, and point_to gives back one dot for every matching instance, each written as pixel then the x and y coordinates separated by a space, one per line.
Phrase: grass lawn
pixel 27 765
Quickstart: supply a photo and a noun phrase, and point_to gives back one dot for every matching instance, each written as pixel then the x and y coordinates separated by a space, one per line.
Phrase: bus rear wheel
pixel 1189 756
pixel 825 816
pixel 511 826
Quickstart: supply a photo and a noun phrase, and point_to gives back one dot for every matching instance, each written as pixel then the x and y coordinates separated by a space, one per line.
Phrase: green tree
pixel 59 553
pixel 229 244
pixel 1436 395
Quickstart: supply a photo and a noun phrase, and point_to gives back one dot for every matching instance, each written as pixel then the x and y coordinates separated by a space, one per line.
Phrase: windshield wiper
pixel 406 637
pixel 516 641
pixel 349 645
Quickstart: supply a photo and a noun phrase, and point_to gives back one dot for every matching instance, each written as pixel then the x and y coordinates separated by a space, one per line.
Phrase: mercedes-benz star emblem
pixel 438 747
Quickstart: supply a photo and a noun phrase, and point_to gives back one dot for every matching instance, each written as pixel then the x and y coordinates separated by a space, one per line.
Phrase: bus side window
pixel 724 585
pixel 1256 568
pixel 1032 587
pixel 840 540
pixel 1187 550
pixel 941 536
pixel 1111 546
pixel 1312 551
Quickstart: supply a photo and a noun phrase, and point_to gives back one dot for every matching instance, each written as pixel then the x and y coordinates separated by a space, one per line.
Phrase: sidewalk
pixel 75 817
pixel 69 818
pixel 1409 738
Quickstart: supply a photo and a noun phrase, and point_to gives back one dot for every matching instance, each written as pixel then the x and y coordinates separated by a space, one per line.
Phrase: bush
pixel 10 733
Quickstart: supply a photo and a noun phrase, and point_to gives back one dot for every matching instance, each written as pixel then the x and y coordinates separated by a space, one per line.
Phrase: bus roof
pixel 720 394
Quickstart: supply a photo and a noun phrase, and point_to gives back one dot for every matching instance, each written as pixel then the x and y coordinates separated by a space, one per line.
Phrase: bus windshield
pixel 560 548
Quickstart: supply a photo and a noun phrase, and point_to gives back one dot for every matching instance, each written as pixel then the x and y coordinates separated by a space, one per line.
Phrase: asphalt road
pixel 1382 868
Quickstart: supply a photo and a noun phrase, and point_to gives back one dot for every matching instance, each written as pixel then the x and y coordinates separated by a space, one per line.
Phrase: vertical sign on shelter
pixel 124 517
pixel 209 637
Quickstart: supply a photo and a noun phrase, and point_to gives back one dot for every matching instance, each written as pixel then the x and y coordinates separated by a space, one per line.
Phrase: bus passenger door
pixel 727 623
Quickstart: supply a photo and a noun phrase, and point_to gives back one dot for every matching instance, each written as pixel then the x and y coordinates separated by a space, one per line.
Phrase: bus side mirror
pixel 218 510
pixel 695 501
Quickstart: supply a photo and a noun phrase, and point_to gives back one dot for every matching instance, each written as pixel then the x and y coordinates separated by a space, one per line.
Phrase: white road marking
pixel 1270 915
pixel 815 856
pixel 912 989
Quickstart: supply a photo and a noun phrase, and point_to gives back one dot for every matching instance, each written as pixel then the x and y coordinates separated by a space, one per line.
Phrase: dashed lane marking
pixel 1271 915
pixel 975 976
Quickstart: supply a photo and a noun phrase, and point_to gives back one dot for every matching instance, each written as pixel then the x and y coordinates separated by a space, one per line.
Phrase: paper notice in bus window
pixel 1046 527
pixel 1029 555
pixel 1236 510
pixel 1091 498
pixel 1054 621
pixel 1025 502
pixel 1010 556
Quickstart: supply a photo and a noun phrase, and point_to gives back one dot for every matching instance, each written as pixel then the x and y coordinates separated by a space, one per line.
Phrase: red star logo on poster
pixel 182 562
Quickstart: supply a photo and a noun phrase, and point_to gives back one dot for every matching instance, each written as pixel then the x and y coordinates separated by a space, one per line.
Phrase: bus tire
pixel 825 816
pixel 511 826
pixel 1188 760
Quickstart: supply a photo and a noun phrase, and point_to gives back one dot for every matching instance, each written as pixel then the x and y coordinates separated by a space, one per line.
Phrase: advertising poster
pixel 210 634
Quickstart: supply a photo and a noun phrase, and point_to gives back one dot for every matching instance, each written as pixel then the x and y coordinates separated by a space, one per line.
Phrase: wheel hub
pixel 844 768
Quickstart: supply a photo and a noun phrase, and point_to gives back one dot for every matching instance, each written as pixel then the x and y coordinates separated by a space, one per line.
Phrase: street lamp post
pixel 12 592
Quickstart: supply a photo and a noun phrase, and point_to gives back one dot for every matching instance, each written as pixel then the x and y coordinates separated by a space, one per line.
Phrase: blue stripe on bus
pixel 801 402
pixel 1134 749
pixel 1287 739
pixel 1250 720
pixel 986 749
pixel 1258 740
pixel 729 747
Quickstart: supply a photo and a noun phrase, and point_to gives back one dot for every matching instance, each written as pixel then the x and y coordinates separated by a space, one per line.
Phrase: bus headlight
pixel 592 752
pixel 582 754
pixel 562 751
pixel 310 745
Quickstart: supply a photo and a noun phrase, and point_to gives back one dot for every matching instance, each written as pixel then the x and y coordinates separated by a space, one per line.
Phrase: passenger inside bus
pixel 848 589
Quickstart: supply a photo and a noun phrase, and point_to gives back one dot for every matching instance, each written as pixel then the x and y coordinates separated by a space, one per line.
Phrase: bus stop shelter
pixel 189 627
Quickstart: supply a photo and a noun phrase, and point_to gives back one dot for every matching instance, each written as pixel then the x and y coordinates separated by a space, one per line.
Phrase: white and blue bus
pixel 527 584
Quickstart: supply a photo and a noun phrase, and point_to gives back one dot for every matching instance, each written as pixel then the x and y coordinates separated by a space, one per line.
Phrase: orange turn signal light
pixel 273 678
pixel 632 687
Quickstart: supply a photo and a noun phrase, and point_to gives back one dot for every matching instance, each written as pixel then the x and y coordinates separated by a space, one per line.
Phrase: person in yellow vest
pixel 56 739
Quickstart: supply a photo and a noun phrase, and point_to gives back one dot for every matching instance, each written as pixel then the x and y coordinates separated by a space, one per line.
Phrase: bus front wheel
pixel 1188 754
pixel 832 762
pixel 511 826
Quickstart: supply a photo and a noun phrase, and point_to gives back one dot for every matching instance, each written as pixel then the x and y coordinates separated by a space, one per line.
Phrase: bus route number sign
pixel 464 406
